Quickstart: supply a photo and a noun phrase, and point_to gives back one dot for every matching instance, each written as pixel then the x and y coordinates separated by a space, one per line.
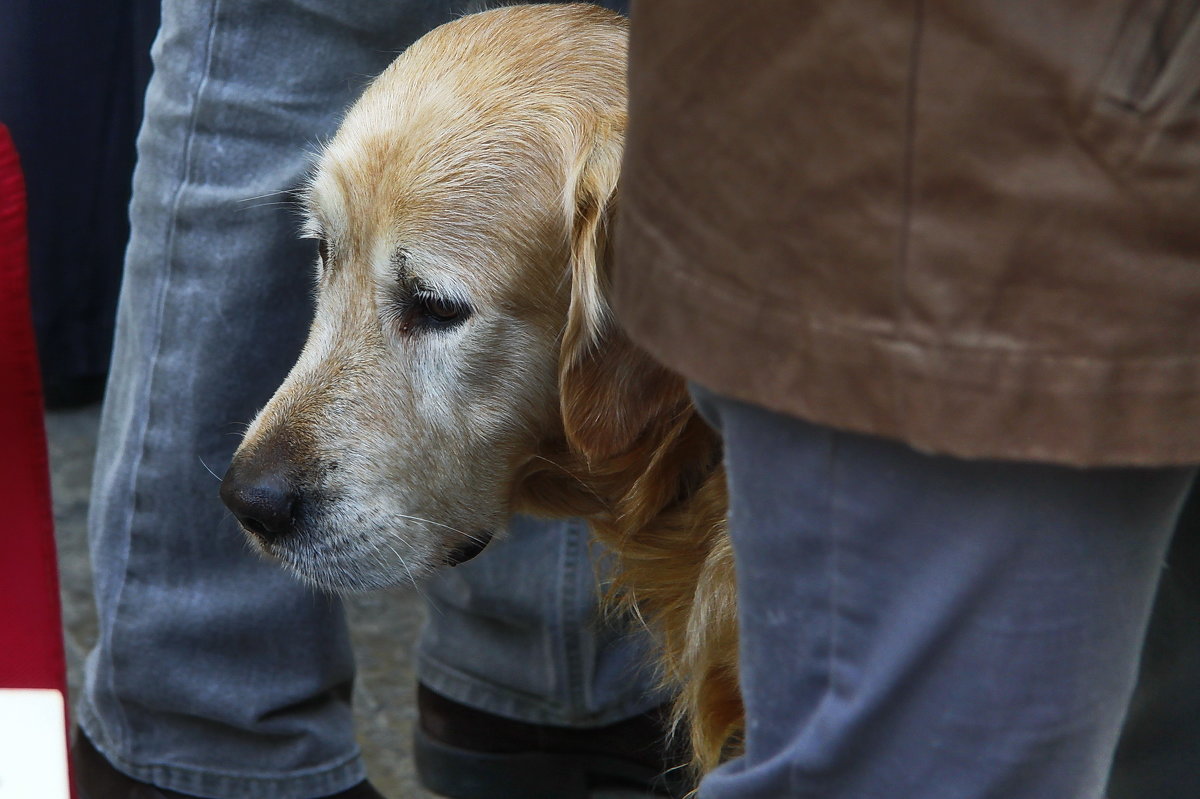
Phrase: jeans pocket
pixel 1143 115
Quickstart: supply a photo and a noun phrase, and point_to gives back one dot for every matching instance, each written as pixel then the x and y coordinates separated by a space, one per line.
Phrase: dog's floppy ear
pixel 610 389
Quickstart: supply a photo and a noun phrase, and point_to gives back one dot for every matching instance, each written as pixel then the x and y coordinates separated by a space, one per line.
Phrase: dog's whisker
pixel 285 203
pixel 416 586
pixel 570 474
pixel 404 562
pixel 276 193
pixel 207 469
pixel 411 577
pixel 431 521
pixel 240 428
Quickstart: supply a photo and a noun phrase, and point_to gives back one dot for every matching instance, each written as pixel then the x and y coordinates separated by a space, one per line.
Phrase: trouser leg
pixel 217 673
pixel 518 632
pixel 1159 752
pixel 922 627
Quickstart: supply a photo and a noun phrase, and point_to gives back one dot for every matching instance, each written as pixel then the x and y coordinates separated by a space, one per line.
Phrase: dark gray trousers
pixel 922 627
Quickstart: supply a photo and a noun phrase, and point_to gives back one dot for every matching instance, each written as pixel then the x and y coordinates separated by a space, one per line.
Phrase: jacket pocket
pixel 1144 117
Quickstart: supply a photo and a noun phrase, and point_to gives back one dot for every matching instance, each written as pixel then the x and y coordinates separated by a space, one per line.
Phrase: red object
pixel 31 642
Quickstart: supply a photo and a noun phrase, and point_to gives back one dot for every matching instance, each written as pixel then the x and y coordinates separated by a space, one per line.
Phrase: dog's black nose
pixel 264 503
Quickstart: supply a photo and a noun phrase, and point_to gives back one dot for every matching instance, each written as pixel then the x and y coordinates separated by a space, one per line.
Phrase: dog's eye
pixel 439 311
pixel 323 251
pixel 420 309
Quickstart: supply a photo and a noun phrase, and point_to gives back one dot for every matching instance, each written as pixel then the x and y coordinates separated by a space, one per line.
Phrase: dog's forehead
pixel 381 230
pixel 446 204
pixel 458 152
pixel 480 103
pixel 436 163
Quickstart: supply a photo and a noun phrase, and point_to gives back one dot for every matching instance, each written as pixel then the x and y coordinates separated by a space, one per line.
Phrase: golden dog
pixel 463 364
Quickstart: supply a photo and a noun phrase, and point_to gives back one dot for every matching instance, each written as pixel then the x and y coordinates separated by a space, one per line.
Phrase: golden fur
pixel 478 175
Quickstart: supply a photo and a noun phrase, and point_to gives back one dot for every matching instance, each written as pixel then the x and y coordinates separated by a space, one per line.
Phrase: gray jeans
pixel 922 627
pixel 216 673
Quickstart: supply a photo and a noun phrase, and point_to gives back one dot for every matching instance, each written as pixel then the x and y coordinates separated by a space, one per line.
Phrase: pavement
pixel 383 625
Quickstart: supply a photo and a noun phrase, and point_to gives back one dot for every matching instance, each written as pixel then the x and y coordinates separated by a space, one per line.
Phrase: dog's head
pixel 462 348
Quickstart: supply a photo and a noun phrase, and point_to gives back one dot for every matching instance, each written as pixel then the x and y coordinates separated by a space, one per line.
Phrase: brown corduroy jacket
pixel 971 225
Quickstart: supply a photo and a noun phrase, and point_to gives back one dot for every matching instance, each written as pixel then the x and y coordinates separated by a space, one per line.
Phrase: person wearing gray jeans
pixel 217 674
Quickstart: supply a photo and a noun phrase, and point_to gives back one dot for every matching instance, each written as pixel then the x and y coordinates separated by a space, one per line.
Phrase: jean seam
pixel 168 245
pixel 572 628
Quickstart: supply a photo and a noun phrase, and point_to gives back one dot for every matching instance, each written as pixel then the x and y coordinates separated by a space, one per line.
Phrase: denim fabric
pixel 1157 753
pixel 517 632
pixel 921 627
pixel 217 674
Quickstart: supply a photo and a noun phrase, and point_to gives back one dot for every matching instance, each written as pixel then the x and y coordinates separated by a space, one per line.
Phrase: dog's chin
pixel 339 579
pixel 331 568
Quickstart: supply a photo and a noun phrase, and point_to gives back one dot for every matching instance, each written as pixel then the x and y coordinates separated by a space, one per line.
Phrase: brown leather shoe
pixel 95 778
pixel 464 753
